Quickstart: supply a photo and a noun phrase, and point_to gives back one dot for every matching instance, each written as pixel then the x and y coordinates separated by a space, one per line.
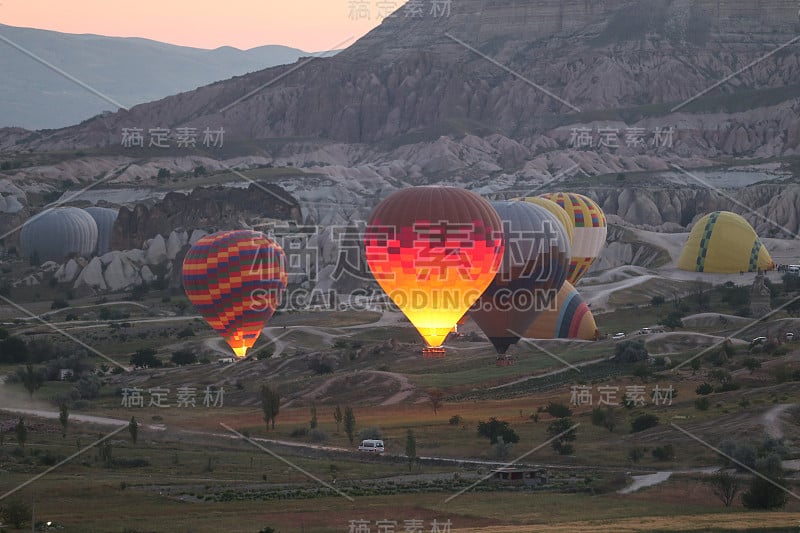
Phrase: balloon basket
pixel 504 361
pixel 433 353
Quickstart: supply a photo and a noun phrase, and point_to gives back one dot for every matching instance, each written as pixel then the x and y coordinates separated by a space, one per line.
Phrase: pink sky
pixel 311 25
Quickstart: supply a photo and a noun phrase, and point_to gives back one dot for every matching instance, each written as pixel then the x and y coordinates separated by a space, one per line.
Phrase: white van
pixel 371 445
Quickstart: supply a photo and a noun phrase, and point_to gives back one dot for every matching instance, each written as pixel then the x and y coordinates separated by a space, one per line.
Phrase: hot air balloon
pixel 572 319
pixel 555 209
pixel 534 268
pixel 104 217
pixel 57 233
pixel 723 242
pixel 590 230
pixel 434 250
pixel 236 280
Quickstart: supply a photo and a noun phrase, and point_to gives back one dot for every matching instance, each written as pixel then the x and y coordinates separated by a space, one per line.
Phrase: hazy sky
pixel 311 25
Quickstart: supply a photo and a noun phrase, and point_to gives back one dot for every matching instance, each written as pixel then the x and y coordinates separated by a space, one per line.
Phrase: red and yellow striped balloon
pixel 236 280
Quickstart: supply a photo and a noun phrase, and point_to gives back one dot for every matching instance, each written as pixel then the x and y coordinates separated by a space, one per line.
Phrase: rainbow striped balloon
pixel 236 280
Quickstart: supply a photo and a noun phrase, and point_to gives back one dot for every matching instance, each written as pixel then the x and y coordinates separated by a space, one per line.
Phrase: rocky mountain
pixel 129 71
pixel 595 58
pixel 661 110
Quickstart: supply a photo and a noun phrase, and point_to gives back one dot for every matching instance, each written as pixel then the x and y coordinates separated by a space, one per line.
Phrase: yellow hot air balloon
pixel 434 250
pixel 571 319
pixel 725 243
pixel 556 210
pixel 591 229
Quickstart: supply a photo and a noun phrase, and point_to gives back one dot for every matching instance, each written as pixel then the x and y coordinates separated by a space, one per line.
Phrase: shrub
pixel 455 420
pixel 664 453
pixel 317 435
pixel 643 422
pixel 702 404
pixel 299 432
pixel 183 357
pixel 704 389
pixel 494 429
pixel 372 432
pixel 558 410
pixel 630 352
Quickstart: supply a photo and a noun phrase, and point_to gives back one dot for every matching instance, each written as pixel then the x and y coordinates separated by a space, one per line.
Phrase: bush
pixel 88 387
pixel 630 352
pixel 455 420
pixel 15 513
pixel 558 410
pixel 704 389
pixel 702 404
pixel 317 435
pixel 643 422
pixel 664 453
pixel 371 433
pixel 183 357
pixel 299 432
pixel 59 303
pixel 185 332
pixel 764 494
pixel 494 429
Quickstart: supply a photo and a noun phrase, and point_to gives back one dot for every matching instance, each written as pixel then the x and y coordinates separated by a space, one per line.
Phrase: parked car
pixel 618 336
pixel 790 337
pixel 371 446
pixel 758 341
pixel 645 331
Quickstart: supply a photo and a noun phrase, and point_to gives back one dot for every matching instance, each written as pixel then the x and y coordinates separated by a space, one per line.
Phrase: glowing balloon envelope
pixel 236 279
pixel 591 229
pixel 534 268
pixel 724 242
pixel 434 250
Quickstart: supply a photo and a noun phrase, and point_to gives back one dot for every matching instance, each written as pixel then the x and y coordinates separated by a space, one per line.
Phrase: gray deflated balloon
pixel 58 233
pixel 104 217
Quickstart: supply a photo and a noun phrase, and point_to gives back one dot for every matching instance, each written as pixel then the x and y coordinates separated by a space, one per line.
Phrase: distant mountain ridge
pixel 129 71
pixel 613 59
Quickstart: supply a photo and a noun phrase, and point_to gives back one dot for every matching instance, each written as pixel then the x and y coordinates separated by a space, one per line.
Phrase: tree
pixel 642 422
pixel 435 397
pixel 32 379
pixel 630 351
pixel 635 454
pixel 145 358
pixel 313 423
pixel 604 417
pixel 337 416
pixel 411 448
pixel 16 513
pixel 494 429
pixel 673 320
pixel 270 404
pixel 725 487
pixel 133 429
pixel 764 494
pixel 21 432
pixel 558 410
pixel 751 364
pixel 657 300
pixel 704 388
pixel 349 423
pixel 183 357
pixel 63 417
pixel 561 430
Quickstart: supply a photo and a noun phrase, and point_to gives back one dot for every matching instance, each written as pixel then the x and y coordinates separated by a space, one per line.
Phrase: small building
pixel 65 374
pixel 531 477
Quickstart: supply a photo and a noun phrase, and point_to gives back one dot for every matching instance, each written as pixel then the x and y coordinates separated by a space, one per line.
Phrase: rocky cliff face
pixel 410 73
pixel 207 208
